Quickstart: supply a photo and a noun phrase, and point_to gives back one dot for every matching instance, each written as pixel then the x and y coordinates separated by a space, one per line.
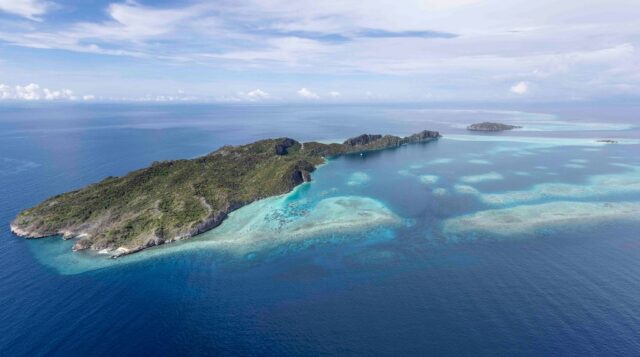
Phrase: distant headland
pixel 174 200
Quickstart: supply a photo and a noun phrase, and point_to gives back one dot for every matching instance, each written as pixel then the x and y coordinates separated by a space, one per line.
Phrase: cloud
pixel 30 9
pixel 286 50
pixel 88 97
pixel 258 94
pixel 334 94
pixel 305 93
pixel 131 21
pixel 33 92
pixel 452 49
pixel 5 92
pixel 398 34
pixel 520 88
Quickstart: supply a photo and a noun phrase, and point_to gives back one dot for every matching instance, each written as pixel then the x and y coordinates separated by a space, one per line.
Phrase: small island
pixel 492 127
pixel 174 200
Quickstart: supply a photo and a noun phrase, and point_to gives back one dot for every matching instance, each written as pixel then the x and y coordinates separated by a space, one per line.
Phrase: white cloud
pixel 131 21
pixel 33 92
pixel 258 94
pixel 520 88
pixel 570 48
pixel 286 50
pixel 5 92
pixel 65 94
pixel 334 94
pixel 88 97
pixel 305 93
pixel 30 9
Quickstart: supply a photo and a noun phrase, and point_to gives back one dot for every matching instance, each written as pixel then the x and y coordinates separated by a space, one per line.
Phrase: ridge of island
pixel 178 199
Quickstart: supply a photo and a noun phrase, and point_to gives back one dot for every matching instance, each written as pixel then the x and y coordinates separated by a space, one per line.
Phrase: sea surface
pixel 517 243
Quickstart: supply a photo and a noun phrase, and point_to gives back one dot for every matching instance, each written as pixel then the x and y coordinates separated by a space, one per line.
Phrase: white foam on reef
pixel 358 178
pixel 489 176
pixel 522 173
pixel 429 179
pixel 526 219
pixel 253 228
pixel 595 186
pixel 479 162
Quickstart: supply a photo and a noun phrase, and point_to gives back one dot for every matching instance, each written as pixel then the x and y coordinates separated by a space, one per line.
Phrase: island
pixel 178 199
pixel 489 126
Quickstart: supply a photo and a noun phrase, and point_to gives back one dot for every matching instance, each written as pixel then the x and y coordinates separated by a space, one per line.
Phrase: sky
pixel 324 51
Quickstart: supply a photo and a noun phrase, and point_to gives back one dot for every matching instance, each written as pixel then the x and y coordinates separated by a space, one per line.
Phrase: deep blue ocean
pixel 519 243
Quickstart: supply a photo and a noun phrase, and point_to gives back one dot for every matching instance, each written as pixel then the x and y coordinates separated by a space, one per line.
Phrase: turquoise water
pixel 484 245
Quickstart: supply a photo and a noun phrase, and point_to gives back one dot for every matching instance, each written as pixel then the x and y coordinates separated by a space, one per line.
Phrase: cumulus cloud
pixel 334 94
pixel 520 88
pixel 30 9
pixel 307 94
pixel 33 92
pixel 258 94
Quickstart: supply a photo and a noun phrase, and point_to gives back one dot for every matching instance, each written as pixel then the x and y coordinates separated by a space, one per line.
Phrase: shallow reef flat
pixel 363 200
pixel 541 142
pixel 527 219
pixel 595 186
pixel 479 162
pixel 441 161
pixel 358 178
pixel 257 227
pixel 272 222
pixel 429 179
pixel 489 176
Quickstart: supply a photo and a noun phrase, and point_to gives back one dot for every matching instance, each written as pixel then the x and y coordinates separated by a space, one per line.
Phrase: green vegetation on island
pixel 173 200
pixel 489 126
